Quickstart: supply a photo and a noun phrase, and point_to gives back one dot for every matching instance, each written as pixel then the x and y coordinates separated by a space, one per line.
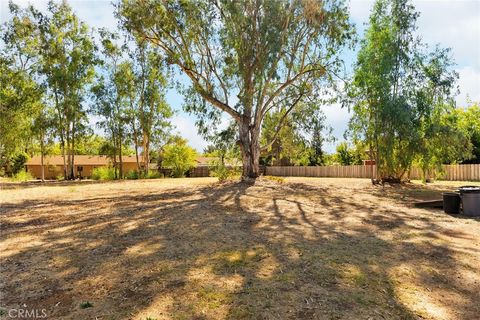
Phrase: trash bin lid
pixel 469 189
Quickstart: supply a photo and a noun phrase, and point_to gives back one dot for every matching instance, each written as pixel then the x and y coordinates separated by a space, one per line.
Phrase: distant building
pixel 83 166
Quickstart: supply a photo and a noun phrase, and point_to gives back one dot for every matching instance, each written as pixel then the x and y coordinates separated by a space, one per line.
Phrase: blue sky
pixel 451 23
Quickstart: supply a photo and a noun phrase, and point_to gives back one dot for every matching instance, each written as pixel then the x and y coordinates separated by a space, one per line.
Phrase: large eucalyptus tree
pixel 244 57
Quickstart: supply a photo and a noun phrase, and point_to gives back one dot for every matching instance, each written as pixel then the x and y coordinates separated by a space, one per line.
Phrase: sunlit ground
pixel 303 248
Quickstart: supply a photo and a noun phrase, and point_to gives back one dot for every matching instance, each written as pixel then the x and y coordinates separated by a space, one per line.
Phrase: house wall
pixel 51 172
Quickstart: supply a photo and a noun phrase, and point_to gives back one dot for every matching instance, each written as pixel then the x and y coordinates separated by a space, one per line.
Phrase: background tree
pixel 112 96
pixel 395 88
pixel 223 145
pixel 67 64
pixel 151 112
pixel 469 122
pixel 179 157
pixel 20 93
pixel 301 138
pixel 243 57
pixel 42 129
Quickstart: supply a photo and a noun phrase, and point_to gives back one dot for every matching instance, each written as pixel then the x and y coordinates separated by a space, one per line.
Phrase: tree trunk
pixel 135 142
pixel 120 154
pixel 42 154
pixel 146 152
pixel 72 169
pixel 64 160
pixel 250 148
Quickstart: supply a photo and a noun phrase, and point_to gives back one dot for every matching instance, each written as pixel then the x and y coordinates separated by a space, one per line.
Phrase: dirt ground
pixel 304 248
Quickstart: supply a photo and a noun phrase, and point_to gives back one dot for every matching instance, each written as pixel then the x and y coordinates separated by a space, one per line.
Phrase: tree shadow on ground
pixel 236 251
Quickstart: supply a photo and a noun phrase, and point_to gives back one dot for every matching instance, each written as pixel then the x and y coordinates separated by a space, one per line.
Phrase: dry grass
pixel 304 248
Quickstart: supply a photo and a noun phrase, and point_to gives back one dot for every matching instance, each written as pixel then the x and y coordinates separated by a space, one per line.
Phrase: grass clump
pixel 275 179
pixel 22 176
pixel 212 298
pixel 86 304
pixel 103 173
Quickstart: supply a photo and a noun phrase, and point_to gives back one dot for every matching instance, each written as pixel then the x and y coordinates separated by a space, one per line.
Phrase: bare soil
pixel 304 248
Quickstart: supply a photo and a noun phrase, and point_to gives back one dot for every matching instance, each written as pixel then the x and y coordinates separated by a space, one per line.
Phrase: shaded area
pixel 239 251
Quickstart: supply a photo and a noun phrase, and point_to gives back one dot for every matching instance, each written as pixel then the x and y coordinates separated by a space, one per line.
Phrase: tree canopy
pixel 244 57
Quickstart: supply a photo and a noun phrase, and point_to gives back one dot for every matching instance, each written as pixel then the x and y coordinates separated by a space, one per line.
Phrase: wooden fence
pixel 460 172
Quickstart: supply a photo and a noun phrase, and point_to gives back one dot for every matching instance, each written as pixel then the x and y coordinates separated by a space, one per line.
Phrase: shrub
pixel 22 176
pixel 132 175
pixel 18 162
pixel 103 173
pixel 224 173
pixel 179 157
pixel 154 174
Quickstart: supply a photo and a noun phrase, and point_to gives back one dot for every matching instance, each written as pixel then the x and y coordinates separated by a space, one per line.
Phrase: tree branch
pixel 280 124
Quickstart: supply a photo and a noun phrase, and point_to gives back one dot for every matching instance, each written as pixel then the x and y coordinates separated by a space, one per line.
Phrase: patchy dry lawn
pixel 194 249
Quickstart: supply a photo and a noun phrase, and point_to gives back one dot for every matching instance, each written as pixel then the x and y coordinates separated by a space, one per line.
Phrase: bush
pixel 22 176
pixel 18 162
pixel 132 175
pixel 103 173
pixel 224 173
pixel 179 157
pixel 154 174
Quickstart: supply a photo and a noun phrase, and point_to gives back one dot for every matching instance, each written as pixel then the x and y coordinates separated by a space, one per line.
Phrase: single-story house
pixel 83 165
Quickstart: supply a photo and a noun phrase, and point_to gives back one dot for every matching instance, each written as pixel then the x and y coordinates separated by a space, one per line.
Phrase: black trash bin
pixel 451 202
pixel 470 200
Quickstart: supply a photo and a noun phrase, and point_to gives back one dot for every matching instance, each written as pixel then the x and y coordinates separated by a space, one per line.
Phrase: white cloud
pixel 453 24
pixel 336 117
pixel 469 83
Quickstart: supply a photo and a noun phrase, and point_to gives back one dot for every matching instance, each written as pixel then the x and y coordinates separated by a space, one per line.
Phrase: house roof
pixel 79 160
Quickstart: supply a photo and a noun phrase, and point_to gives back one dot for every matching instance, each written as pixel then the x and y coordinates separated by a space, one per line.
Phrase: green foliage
pixel 18 162
pixel 299 141
pixel 51 56
pixel 22 176
pixel 226 51
pixel 344 155
pixel 223 172
pixel 20 94
pixel 154 174
pixel 469 122
pixel 103 173
pixel 396 87
pixel 179 157
pixel 224 145
pixel 132 175
pixel 347 155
